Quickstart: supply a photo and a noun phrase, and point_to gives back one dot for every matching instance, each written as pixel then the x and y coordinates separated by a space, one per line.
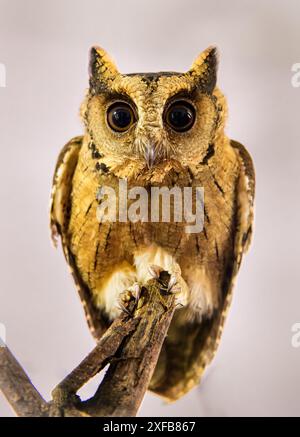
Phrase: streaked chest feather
pixel 108 254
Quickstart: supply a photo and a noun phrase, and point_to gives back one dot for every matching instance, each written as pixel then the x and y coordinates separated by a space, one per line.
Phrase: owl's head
pixel 142 121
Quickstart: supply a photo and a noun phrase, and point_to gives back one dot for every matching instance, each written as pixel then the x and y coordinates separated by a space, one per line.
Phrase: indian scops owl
pixel 156 129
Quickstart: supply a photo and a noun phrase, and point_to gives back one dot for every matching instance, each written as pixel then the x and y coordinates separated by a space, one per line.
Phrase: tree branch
pixel 131 346
pixel 18 389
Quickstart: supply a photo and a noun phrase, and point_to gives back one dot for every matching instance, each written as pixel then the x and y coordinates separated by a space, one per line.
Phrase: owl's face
pixel 143 120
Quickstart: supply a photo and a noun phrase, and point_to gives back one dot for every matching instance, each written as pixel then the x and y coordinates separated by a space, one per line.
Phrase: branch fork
pixel 131 346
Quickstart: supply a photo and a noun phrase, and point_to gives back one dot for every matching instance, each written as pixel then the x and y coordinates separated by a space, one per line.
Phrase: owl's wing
pixel 61 188
pixel 189 349
pixel 245 201
pixel 60 208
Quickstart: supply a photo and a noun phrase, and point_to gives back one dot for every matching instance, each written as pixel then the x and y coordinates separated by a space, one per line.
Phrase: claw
pixel 132 293
pixel 172 282
pixel 155 271
pixel 124 309
pixel 136 291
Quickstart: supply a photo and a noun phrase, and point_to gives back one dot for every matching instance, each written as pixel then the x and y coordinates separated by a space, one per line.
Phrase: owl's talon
pixel 136 291
pixel 124 309
pixel 172 282
pixel 177 286
pixel 155 271
pixel 130 294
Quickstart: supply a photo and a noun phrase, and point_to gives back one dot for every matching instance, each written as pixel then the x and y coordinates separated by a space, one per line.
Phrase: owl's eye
pixel 120 116
pixel 180 116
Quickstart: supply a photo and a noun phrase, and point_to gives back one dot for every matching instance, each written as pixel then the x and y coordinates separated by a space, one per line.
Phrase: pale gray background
pixel 44 45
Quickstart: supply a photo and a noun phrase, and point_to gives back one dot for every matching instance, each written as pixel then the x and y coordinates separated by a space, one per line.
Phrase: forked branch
pixel 131 347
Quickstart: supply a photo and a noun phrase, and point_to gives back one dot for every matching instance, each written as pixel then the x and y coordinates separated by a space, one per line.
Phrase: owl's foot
pixel 127 296
pixel 176 284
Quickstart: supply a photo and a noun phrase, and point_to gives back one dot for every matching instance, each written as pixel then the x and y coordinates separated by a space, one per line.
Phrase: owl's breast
pixel 187 214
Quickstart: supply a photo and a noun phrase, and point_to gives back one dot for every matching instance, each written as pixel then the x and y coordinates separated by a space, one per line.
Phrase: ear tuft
pixel 101 67
pixel 204 69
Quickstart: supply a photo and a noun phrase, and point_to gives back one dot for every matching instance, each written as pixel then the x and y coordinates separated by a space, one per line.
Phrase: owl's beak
pixel 150 155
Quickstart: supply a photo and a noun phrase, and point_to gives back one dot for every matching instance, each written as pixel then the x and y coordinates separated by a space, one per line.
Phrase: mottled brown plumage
pixel 106 258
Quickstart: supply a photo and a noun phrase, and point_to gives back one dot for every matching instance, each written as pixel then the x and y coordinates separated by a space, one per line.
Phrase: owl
pixel 163 129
